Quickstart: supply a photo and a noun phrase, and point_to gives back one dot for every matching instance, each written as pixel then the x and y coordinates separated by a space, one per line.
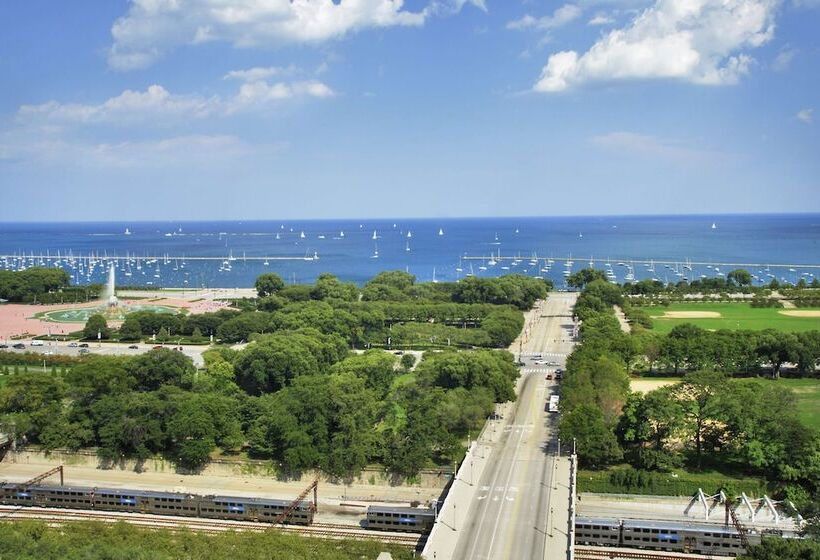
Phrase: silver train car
pixel 670 536
pixel 413 520
pixel 160 503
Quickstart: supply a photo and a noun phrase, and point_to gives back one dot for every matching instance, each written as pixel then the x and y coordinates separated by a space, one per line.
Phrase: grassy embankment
pixel 98 541
pixel 732 316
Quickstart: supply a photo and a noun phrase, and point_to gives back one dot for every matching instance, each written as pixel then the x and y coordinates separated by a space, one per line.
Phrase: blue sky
pixel 254 109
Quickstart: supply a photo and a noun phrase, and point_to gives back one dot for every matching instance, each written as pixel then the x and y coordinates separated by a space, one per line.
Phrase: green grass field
pixel 732 316
pixel 807 392
pixel 808 398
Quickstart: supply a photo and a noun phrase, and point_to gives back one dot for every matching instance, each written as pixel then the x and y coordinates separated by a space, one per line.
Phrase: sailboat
pixel 341 234
pixel 714 225
pixel 375 235
pixel 375 254
pixel 407 247
pixel 409 234
pixel 127 231
pixel 302 235
pixel 434 276
pixel 440 231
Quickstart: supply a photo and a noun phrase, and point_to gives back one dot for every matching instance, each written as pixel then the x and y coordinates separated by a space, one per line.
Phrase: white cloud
pixel 152 27
pixel 154 102
pixel 651 147
pixel 698 41
pixel 784 59
pixel 260 73
pixel 560 17
pixel 158 105
pixel 601 19
pixel 256 94
pixel 806 115
pixel 56 150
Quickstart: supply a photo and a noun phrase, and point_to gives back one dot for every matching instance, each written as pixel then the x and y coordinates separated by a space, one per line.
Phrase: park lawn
pixel 732 316
pixel 807 392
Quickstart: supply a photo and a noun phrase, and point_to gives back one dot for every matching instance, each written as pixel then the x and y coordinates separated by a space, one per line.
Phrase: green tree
pixel 739 277
pixel 585 276
pixel 776 548
pixel 95 327
pixel 268 284
pixel 408 361
pixel 130 329
pixel 161 367
pixel 596 444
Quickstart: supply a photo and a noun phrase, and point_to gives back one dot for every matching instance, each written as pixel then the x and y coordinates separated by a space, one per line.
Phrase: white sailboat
pixel 127 231
pixel 440 231
pixel 407 247
pixel 409 234
pixel 301 235
pixel 375 235
pixel 714 225
pixel 375 254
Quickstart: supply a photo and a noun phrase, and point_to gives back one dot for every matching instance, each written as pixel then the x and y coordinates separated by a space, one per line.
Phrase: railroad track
pixel 598 553
pixel 202 525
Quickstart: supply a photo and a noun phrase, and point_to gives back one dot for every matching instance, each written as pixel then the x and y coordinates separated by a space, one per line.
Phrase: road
pixel 50 348
pixel 508 516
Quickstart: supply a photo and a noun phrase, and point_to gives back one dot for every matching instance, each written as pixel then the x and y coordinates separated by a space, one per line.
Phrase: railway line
pixel 59 516
pixel 597 553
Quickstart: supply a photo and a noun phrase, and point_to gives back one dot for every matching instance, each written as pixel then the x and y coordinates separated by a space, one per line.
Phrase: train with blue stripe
pixel 162 503
pixel 669 536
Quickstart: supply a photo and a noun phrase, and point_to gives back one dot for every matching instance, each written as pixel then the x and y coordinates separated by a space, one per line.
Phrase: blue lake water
pixel 664 247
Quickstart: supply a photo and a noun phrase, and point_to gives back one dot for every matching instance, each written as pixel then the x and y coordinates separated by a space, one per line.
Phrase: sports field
pixel 715 316
pixel 807 392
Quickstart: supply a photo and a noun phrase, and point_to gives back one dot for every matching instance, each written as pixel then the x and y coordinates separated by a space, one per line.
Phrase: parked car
pixel 540 362
pixel 72 344
pixel 37 343
pixel 84 345
pixel 84 350
pixel 549 376
pixel 19 346
pixel 133 347
pixel 4 345
pixel 158 347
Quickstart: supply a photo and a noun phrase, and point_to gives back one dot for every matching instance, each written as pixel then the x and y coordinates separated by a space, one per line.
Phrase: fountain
pixel 108 294
pixel 109 306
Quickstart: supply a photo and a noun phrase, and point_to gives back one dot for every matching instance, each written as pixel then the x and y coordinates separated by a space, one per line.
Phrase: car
pixel 549 376
pixel 133 347
pixel 4 345
pixel 399 352
pixel 48 353
pixel 157 347
pixel 72 344
pixel 84 350
pixel 540 362
pixel 84 345
pixel 19 346
pixel 37 343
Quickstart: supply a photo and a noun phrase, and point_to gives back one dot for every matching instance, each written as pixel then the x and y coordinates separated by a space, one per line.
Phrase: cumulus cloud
pixel 560 17
pixel 651 147
pixel 156 104
pixel 698 41
pixel 806 115
pixel 152 27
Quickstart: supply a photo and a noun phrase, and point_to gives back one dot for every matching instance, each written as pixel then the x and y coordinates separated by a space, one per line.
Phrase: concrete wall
pixel 87 458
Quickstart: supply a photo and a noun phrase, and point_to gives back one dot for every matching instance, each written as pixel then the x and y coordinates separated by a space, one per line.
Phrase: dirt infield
pixel 690 315
pixel 809 313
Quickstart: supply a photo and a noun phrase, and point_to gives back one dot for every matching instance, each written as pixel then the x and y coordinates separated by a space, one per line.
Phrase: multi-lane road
pixel 509 516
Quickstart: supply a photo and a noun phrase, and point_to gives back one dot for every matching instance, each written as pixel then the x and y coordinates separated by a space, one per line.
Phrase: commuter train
pixel 163 503
pixel 670 536
pixel 389 518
